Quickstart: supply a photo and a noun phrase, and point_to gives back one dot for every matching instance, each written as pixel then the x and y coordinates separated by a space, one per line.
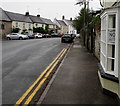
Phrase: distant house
pixel 48 24
pixel 37 21
pixel 62 26
pixel 65 26
pixel 109 67
pixel 5 24
pixel 71 29
pixel 20 21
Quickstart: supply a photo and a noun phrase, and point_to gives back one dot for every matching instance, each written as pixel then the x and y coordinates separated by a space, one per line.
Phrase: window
pixel 36 25
pixel 2 26
pixel 29 26
pixel 16 24
pixel 108 43
pixel 23 26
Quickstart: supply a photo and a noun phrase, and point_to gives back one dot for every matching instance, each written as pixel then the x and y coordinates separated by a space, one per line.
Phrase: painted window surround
pixel 104 40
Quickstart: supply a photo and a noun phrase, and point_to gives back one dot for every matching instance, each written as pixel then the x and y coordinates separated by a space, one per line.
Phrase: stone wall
pixel 7 29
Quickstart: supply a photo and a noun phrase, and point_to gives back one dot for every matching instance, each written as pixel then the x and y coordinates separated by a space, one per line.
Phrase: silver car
pixel 16 36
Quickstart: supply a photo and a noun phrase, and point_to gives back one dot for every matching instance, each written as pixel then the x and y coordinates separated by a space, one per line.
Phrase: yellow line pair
pixel 55 62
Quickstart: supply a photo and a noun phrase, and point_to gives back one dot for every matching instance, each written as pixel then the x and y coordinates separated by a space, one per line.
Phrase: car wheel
pixel 8 38
pixel 20 38
pixel 62 41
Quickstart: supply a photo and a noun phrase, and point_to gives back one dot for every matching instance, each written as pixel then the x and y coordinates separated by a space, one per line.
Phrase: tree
pixel 15 30
pixel 85 24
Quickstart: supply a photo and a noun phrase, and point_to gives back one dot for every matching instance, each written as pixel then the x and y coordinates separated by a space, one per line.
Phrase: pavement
pixel 77 80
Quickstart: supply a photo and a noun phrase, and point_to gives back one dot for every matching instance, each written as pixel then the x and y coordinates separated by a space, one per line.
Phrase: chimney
pixel 63 17
pixel 70 19
pixel 27 14
pixel 38 15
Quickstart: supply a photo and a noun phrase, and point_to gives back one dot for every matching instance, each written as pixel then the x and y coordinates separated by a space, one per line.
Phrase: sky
pixel 47 8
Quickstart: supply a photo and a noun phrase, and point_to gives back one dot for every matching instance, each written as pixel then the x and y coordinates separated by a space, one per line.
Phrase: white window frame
pixel 104 58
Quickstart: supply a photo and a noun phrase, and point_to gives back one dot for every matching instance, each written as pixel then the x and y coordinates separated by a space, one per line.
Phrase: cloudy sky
pixel 47 8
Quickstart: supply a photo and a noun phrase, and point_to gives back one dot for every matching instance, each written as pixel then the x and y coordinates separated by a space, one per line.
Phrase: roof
pixel 47 21
pixel 68 22
pixel 18 17
pixel 36 19
pixel 3 15
pixel 62 23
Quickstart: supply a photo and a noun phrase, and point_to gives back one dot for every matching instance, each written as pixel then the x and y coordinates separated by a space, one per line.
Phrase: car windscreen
pixel 67 35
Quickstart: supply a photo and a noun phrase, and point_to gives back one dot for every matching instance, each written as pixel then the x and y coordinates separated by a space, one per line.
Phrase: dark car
pixel 67 38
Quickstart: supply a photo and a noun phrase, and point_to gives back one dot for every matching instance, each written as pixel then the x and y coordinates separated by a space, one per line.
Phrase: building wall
pixel 22 26
pixel 109 3
pixel 97 44
pixel 37 25
pixel 72 30
pixel 51 26
pixel 64 30
pixel 7 28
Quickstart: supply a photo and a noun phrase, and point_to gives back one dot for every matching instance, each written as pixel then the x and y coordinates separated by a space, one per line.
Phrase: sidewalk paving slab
pixel 77 80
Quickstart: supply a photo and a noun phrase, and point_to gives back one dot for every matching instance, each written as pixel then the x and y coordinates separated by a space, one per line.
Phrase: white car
pixel 16 36
pixel 38 35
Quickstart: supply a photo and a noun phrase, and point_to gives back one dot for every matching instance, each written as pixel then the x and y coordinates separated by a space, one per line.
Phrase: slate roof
pixel 3 15
pixel 18 17
pixel 36 19
pixel 62 23
pixel 47 21
pixel 68 22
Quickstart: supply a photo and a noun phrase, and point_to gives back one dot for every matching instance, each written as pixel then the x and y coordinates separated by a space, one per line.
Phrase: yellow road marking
pixel 32 86
pixel 40 84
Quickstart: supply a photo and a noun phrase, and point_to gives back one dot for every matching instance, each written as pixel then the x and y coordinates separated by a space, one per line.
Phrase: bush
pixel 15 30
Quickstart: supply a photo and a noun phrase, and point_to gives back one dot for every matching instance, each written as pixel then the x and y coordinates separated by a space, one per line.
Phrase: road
pixel 23 61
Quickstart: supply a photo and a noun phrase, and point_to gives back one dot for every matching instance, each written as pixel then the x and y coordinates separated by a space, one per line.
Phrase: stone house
pixel 5 24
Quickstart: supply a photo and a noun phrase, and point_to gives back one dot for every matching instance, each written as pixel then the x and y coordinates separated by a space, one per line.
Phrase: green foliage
pixel 40 30
pixel 15 30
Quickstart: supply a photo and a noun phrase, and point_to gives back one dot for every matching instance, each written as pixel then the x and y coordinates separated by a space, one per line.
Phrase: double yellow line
pixel 49 69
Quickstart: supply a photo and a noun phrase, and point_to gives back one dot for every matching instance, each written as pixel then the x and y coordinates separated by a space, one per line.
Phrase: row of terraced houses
pixel 26 22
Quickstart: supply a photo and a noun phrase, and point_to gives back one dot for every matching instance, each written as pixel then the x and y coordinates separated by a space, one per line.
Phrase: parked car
pixel 31 36
pixel 16 36
pixel 47 36
pixel 67 38
pixel 38 35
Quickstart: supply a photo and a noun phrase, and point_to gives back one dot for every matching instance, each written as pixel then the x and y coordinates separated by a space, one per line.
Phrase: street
pixel 23 61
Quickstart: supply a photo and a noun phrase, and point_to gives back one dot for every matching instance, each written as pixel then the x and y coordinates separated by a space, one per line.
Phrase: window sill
pixel 106 75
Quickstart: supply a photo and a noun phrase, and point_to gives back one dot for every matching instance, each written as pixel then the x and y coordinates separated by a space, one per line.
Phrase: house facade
pixel 5 24
pixel 62 26
pixel 49 24
pixel 23 23
pixel 71 29
pixel 65 26
pixel 109 67
pixel 37 21
pixel 20 21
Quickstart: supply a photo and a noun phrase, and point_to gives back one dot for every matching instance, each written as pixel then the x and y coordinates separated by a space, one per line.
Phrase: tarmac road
pixel 23 61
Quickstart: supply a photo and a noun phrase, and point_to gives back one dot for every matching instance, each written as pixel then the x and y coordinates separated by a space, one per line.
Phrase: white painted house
pixel 71 29
pixel 109 67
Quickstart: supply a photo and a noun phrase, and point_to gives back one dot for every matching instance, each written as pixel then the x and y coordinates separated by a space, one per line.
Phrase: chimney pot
pixel 38 15
pixel 27 13
pixel 63 17
pixel 70 19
